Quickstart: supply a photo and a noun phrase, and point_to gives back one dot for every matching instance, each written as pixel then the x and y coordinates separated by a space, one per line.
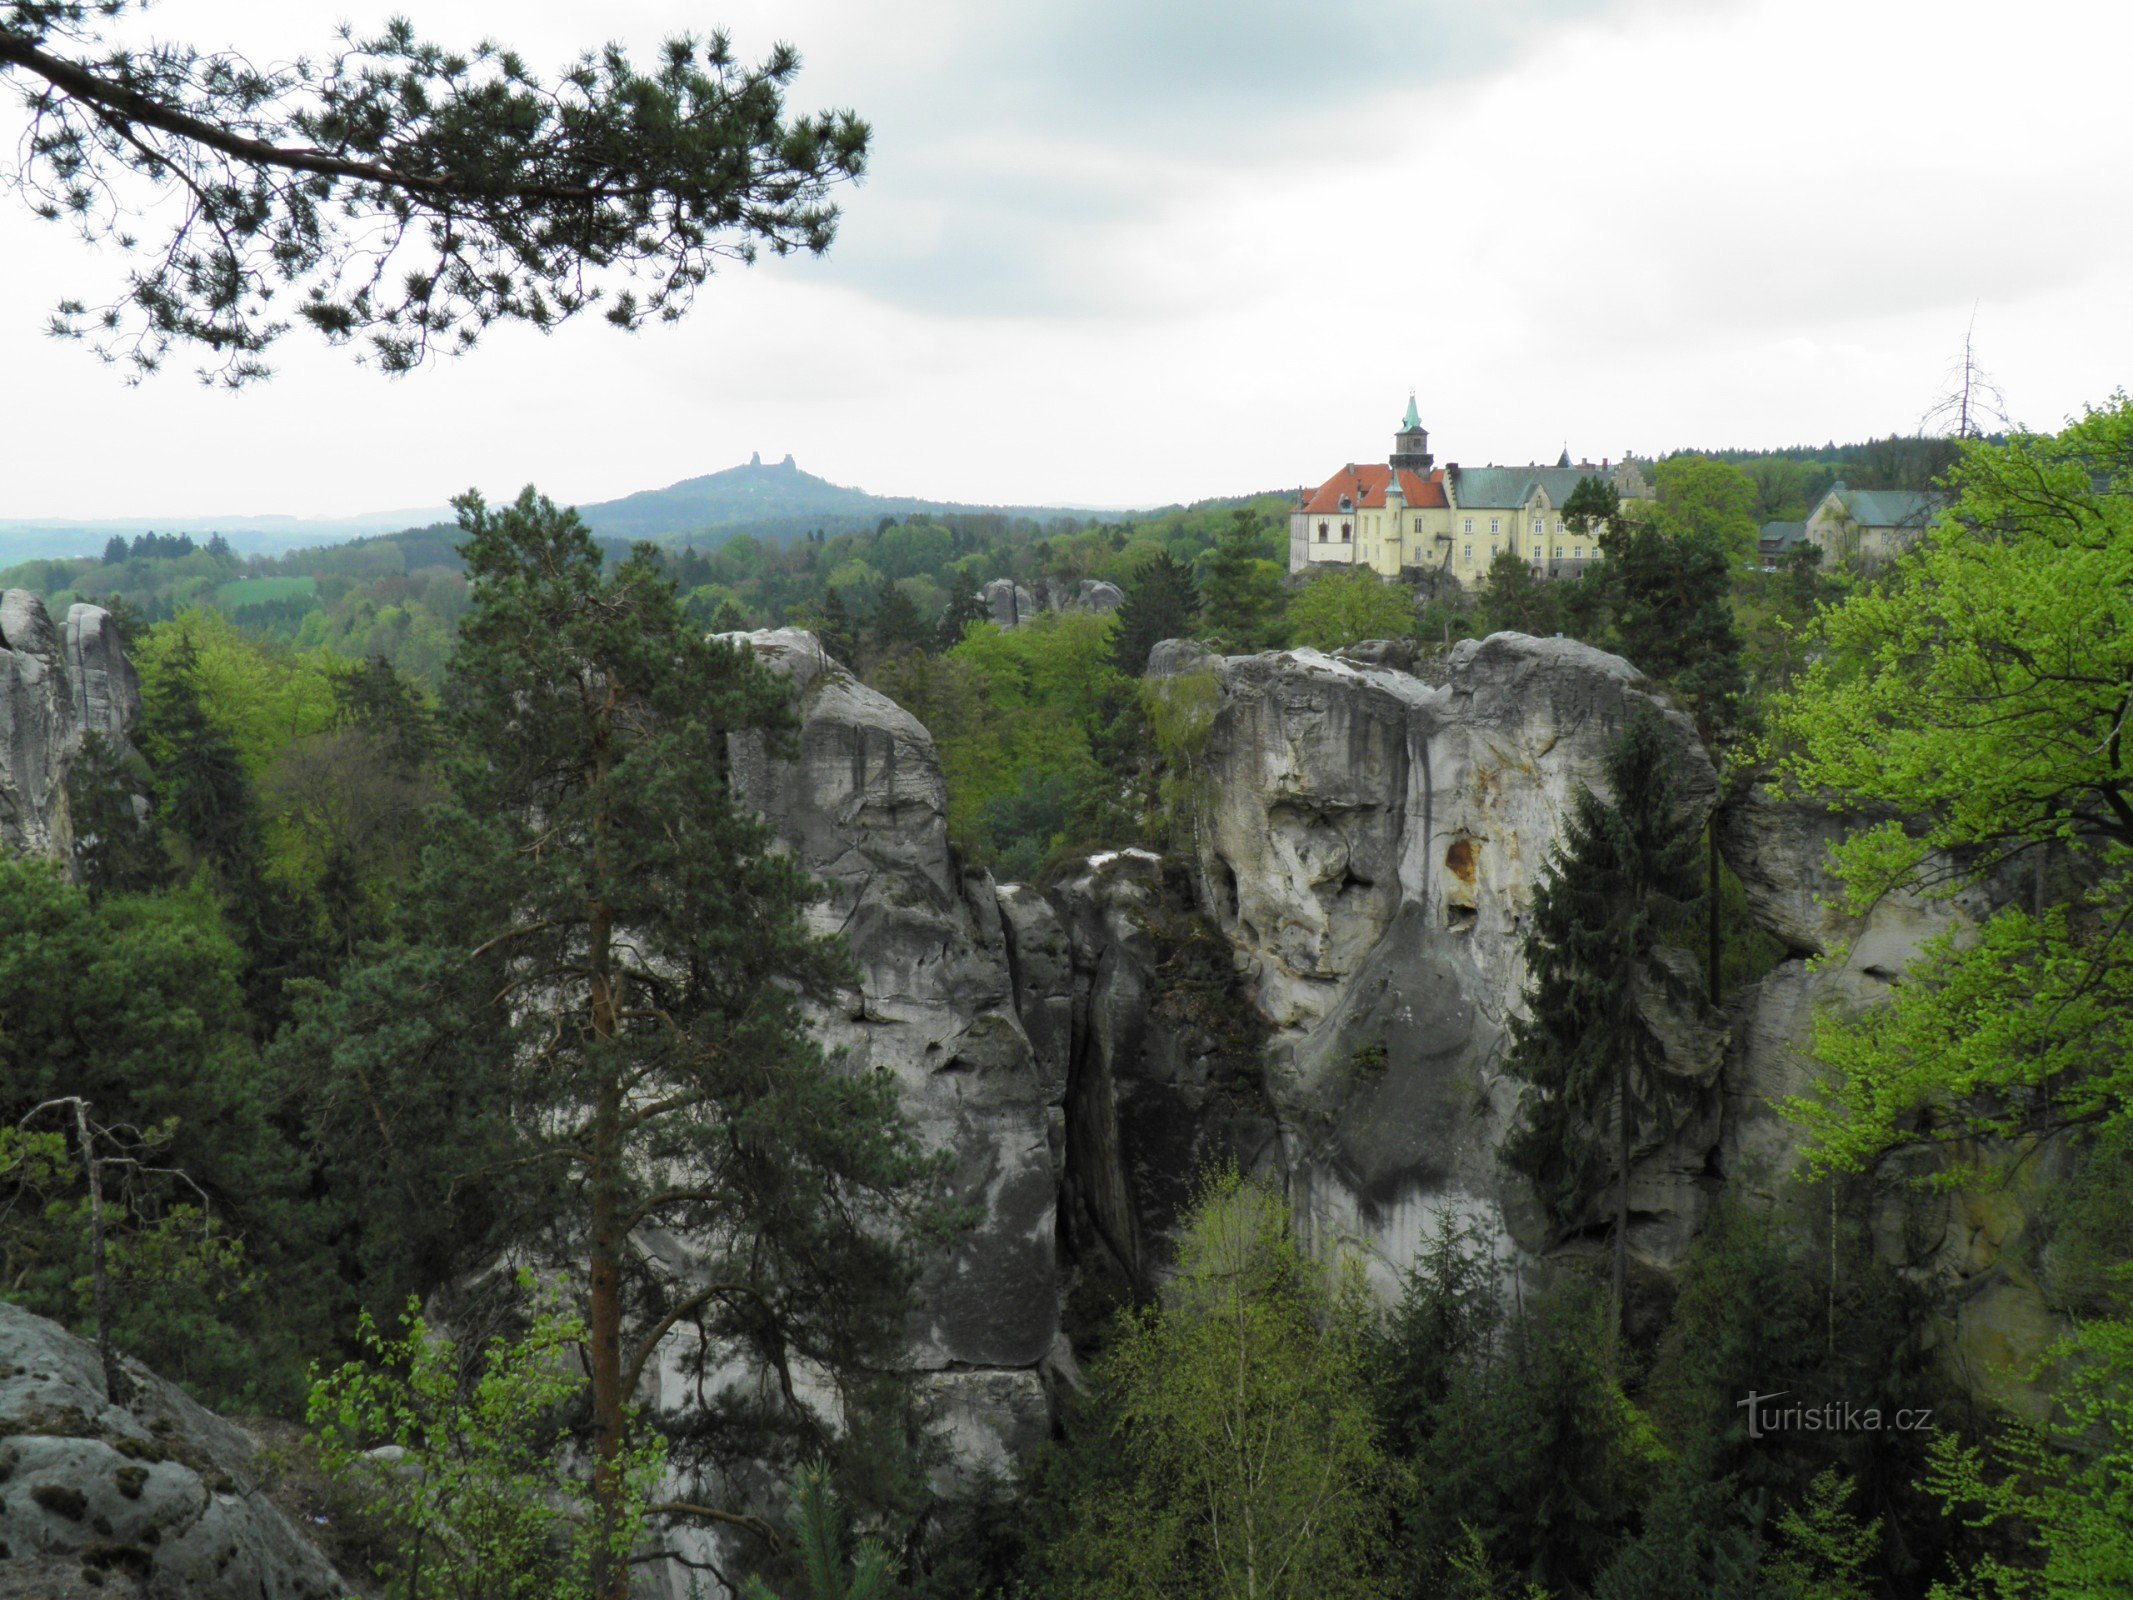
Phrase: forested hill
pixel 776 502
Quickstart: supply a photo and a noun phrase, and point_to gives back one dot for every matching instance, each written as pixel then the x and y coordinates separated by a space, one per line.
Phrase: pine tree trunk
pixel 611 1570
pixel 604 1332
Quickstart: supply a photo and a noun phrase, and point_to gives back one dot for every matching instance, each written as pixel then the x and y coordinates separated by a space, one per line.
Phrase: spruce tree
pixel 611 974
pixel 1241 598
pixel 1160 604
pixel 1586 1046
pixel 963 608
pixel 895 623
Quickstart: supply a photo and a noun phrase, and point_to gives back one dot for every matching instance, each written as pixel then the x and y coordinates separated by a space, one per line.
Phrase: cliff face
pixel 1369 841
pixel 57 686
pixel 1319 988
pixel 861 803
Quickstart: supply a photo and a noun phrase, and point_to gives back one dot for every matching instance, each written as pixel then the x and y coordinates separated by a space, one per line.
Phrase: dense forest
pixel 282 986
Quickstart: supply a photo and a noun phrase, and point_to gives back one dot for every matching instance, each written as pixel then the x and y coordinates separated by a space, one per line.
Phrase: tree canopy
pixel 1983 692
pixel 403 193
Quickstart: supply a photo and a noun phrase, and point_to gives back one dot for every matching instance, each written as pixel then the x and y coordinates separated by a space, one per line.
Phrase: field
pixel 241 592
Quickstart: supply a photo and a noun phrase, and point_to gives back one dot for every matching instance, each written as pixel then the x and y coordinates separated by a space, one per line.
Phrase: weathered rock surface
pixel 57 686
pixel 863 807
pixel 1370 841
pixel 153 1498
pixel 1010 604
pixel 1153 1096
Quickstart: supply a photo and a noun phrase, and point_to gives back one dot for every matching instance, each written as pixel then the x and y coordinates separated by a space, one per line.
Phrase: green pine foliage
pixel 606 967
pixel 818 1543
pixel 1242 602
pixel 1161 603
pixel 1591 1055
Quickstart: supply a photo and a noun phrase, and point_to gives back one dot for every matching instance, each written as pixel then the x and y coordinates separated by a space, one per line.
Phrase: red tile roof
pixel 1365 487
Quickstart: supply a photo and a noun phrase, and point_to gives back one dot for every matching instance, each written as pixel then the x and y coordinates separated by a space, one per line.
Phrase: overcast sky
pixel 1117 252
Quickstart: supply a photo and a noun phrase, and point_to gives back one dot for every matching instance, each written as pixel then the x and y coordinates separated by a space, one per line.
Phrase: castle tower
pixel 1410 446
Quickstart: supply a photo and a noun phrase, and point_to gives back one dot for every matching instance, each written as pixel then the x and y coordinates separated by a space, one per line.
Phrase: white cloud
pixel 1113 254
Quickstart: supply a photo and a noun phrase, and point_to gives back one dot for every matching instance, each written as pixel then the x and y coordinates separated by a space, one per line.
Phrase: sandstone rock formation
pixel 153 1498
pixel 1010 604
pixel 57 686
pixel 1369 840
pixel 863 806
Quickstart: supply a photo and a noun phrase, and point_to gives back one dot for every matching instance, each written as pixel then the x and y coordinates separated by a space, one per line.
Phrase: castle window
pixel 1536 524
pixel 1347 532
pixel 1321 533
pixel 1468 527
pixel 1536 552
pixel 1495 524
pixel 1469 552
pixel 1492 552
pixel 1580 552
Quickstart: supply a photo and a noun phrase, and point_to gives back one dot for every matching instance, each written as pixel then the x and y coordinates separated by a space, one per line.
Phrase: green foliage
pixel 240 593
pixel 1243 1424
pixel 1823 1548
pixel 1450 1311
pixel 1586 1045
pixel 1346 607
pixel 1241 597
pixel 1161 603
pixel 498 195
pixel 826 1572
pixel 1535 1449
pixel 1706 502
pixel 2064 1492
pixel 1516 601
pixel 1015 715
pixel 134 1004
pixel 1181 717
pixel 1667 583
pixel 479 1498
pixel 1980 692
pixel 599 916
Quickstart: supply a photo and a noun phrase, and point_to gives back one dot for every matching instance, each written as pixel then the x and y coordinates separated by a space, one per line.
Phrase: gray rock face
pixel 1370 842
pixel 1780 849
pixel 154 1497
pixel 57 686
pixel 863 807
pixel 1152 1097
pixel 1010 604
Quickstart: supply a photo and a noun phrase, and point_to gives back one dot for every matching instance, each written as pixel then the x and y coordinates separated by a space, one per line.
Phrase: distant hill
pixel 777 502
pixel 771 502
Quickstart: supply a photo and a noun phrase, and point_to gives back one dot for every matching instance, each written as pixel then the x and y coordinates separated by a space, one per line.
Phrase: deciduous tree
pixel 1344 608
pixel 1243 1411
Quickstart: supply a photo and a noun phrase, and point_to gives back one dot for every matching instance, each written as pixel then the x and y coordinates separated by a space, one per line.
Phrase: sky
pixel 1128 252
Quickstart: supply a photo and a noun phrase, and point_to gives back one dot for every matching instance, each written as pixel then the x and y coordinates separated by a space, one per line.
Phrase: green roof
pixel 1508 488
pixel 1889 508
pixel 1414 419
